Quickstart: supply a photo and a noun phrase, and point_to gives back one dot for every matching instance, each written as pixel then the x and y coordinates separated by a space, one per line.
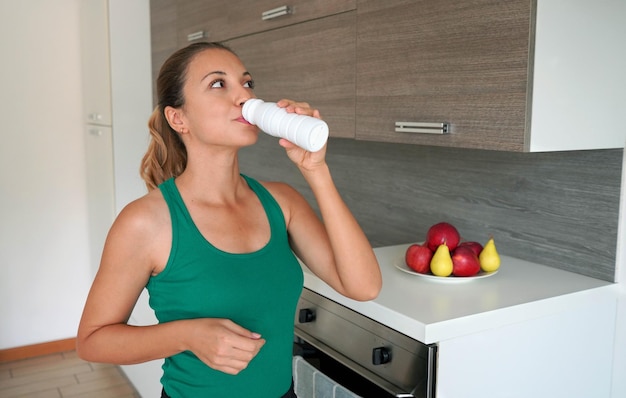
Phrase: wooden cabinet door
pixel 163 35
pixel 312 61
pixel 246 17
pixel 461 62
pixel 220 20
pixel 202 20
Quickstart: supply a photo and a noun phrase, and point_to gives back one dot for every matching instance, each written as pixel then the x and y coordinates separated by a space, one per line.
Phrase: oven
pixel 336 344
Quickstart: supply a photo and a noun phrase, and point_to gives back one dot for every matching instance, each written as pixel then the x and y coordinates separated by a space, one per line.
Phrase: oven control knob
pixel 381 356
pixel 306 315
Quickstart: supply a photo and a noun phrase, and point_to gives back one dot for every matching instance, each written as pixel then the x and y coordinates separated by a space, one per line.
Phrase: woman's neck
pixel 212 177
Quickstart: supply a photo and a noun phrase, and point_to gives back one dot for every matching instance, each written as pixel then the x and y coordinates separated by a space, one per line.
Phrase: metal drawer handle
pixel 96 132
pixel 201 34
pixel 425 128
pixel 276 12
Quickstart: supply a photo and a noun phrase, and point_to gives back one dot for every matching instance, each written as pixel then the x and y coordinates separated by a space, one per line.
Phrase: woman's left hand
pixel 302 158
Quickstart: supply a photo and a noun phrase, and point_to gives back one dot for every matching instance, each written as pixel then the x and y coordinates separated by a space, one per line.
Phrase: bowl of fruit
pixel 444 256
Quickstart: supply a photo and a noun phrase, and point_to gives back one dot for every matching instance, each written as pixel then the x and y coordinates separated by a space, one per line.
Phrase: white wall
pixel 619 359
pixel 44 254
pixel 44 273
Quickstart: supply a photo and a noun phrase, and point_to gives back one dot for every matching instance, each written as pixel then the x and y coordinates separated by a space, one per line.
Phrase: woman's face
pixel 216 87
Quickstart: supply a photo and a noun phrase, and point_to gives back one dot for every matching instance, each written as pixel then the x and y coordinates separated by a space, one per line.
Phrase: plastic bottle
pixel 306 132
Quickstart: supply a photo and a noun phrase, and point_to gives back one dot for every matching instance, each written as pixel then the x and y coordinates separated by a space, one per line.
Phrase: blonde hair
pixel 166 156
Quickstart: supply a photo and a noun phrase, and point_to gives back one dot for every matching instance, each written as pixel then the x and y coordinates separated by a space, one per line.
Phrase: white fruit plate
pixel 400 264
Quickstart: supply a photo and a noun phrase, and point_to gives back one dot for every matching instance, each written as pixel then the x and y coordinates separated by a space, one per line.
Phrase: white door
pixel 100 187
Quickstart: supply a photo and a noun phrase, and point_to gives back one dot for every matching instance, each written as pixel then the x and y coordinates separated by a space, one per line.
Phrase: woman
pixel 215 248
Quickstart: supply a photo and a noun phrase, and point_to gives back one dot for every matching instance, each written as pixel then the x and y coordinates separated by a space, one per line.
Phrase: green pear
pixel 489 257
pixel 441 263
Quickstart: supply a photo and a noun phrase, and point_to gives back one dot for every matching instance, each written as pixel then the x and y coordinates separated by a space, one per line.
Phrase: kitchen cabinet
pixel 514 76
pixel 308 54
pixel 98 135
pixel 100 187
pixel 202 20
pixel 163 35
pixel 541 357
pixel 516 333
pixel 247 17
pixel 96 76
pixel 219 20
pixel 311 61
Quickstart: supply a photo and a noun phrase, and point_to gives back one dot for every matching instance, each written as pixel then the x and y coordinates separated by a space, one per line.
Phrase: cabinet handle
pixel 95 116
pixel 424 128
pixel 275 12
pixel 96 132
pixel 201 34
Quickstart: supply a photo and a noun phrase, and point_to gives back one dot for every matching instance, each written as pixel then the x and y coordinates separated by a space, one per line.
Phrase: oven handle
pixel 374 378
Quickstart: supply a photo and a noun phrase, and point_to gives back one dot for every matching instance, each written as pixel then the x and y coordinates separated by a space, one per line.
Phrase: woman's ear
pixel 174 119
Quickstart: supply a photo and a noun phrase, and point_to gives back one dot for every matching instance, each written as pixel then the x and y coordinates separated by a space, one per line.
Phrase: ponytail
pixel 166 156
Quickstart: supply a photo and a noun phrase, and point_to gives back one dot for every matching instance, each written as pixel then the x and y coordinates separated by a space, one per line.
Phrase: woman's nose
pixel 243 97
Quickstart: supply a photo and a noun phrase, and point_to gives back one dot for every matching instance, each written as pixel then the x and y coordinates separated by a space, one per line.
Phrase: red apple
pixel 442 233
pixel 418 258
pixel 475 246
pixel 465 262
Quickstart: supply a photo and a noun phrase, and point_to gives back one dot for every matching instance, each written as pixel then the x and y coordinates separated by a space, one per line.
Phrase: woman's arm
pixel 139 239
pixel 126 266
pixel 336 250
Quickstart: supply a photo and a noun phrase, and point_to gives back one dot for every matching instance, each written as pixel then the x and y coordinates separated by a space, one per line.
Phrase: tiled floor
pixel 62 375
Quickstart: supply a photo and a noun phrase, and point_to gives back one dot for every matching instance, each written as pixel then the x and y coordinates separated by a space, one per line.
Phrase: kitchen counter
pixel 432 311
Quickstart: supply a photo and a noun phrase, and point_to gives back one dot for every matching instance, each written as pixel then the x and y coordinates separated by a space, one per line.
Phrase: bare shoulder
pixel 285 194
pixel 277 188
pixel 141 234
pixel 146 214
pixel 289 199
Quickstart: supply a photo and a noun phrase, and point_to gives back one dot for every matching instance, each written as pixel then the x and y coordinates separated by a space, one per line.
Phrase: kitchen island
pixel 528 330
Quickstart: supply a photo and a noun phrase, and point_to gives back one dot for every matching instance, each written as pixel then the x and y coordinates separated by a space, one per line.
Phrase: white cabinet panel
pixel 100 187
pixel 579 88
pixel 568 354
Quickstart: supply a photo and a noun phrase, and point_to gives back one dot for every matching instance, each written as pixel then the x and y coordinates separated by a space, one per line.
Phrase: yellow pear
pixel 489 257
pixel 441 263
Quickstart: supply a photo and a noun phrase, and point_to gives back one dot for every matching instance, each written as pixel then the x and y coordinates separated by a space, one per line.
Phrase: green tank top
pixel 257 290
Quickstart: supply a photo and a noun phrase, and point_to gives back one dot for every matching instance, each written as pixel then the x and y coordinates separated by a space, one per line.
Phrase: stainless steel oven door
pixel 362 354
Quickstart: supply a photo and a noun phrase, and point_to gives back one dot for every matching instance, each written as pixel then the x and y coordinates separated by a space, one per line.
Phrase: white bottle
pixel 306 132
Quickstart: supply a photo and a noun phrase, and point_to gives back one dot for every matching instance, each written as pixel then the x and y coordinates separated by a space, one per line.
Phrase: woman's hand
pixel 222 344
pixel 304 159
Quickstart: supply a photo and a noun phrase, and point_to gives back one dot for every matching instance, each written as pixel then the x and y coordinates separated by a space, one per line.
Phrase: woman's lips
pixel 242 120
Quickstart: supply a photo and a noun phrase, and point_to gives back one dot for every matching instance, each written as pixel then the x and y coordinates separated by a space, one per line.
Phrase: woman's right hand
pixel 222 344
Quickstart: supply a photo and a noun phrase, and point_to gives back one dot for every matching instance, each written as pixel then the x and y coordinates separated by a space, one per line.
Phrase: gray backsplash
pixel 559 209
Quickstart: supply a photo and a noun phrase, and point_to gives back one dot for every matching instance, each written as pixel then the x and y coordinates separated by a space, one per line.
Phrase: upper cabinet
pixel 95 57
pixel 312 61
pixel 202 20
pixel 305 51
pixel 579 84
pixel 247 17
pixel 518 75
pixel 514 75
pixel 219 20
pixel 163 35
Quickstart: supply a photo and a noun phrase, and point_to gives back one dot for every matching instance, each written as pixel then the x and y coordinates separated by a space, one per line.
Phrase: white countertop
pixel 431 311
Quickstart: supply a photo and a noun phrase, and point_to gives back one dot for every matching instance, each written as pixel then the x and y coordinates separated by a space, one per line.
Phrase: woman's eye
pixel 217 84
pixel 249 84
